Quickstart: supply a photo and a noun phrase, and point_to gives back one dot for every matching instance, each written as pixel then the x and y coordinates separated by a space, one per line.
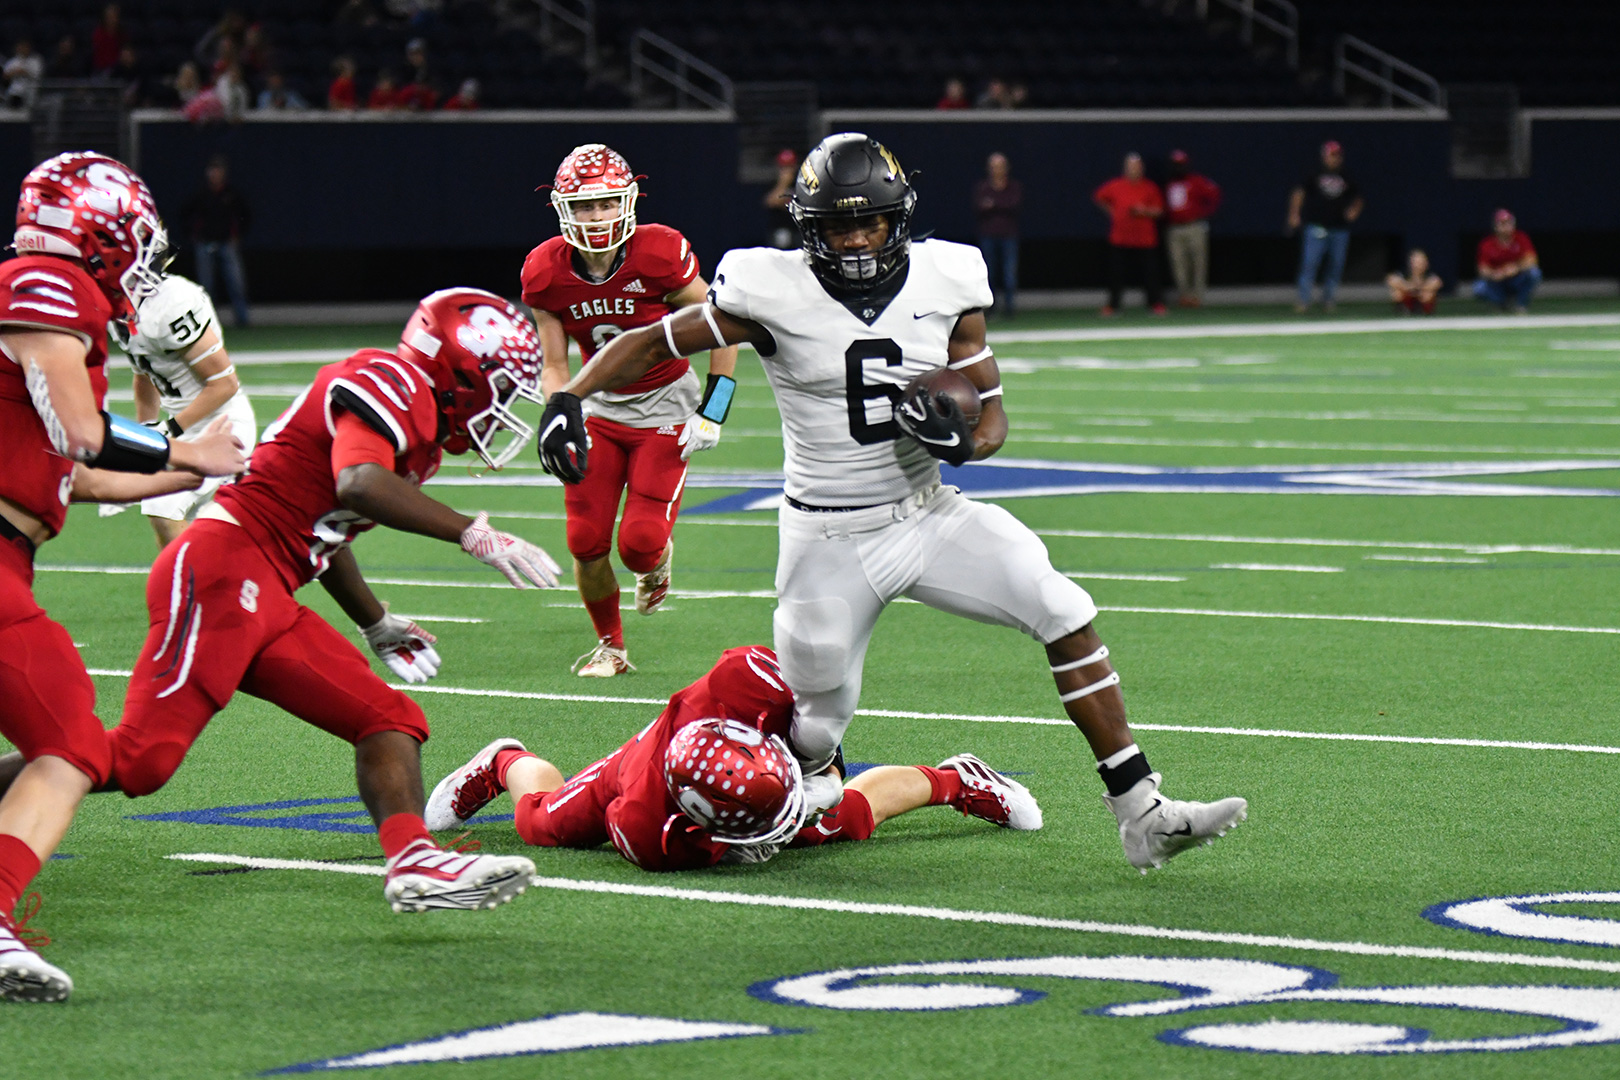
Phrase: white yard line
pixel 1467 560
pixel 1284 568
pixel 1308 541
pixel 1293 444
pixel 1395 620
pixel 1088 575
pixel 992 918
pixel 1036 721
pixel 1304 328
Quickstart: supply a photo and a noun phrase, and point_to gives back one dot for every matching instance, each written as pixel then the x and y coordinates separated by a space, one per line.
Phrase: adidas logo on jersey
pixel 635 287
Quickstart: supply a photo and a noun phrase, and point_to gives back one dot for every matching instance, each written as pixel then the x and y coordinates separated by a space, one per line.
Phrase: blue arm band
pixel 717 398
pixel 130 447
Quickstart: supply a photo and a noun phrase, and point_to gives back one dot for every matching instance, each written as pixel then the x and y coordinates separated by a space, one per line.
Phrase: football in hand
pixel 951 383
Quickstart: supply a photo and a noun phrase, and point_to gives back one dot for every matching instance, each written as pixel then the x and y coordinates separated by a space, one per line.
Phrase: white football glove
pixel 822 792
pixel 698 433
pixel 521 561
pixel 406 648
pixel 748 854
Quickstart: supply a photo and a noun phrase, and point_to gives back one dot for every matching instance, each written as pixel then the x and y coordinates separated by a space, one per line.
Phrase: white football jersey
pixel 167 325
pixel 837 373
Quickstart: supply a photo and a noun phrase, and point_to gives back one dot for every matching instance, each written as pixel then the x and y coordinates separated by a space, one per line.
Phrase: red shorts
pixel 221 621
pixel 575 815
pixel 648 462
pixel 49 701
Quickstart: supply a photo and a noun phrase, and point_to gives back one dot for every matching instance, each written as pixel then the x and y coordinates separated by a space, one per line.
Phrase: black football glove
pixel 937 422
pixel 563 440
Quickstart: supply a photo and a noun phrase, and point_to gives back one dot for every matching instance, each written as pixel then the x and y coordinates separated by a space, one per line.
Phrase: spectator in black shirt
pixel 1326 203
pixel 996 200
pixel 67 62
pixel 216 217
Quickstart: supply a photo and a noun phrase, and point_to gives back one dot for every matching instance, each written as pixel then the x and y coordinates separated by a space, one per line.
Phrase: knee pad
pixel 813 643
pixel 141 770
pixel 642 543
pixel 588 541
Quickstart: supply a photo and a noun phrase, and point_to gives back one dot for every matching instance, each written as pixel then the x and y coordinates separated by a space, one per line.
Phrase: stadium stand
pixel 302 39
pixel 1559 53
pixel 859 54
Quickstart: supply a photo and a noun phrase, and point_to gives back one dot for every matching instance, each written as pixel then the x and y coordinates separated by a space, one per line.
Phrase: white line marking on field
pixel 1289 444
pixel 1086 575
pixel 1458 559
pixel 1311 541
pixel 1284 568
pixel 994 918
pixel 1398 620
pixel 441 618
pixel 1590 345
pixel 1037 721
pixel 1304 328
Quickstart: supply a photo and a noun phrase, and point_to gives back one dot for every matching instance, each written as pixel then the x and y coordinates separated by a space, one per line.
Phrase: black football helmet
pixel 851 175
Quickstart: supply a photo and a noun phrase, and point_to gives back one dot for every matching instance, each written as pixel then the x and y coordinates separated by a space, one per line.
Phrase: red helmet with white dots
pixel 91 207
pixel 741 785
pixel 590 173
pixel 484 357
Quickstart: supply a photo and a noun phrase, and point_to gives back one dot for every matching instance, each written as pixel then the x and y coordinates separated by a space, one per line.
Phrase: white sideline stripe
pixel 1462 559
pixel 440 618
pixel 1306 541
pixel 1303 328
pixel 1040 721
pixel 1287 568
pixel 1086 575
pixel 1398 620
pixel 994 918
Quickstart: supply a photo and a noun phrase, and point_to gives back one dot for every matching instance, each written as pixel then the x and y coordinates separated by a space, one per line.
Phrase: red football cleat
pixel 989 795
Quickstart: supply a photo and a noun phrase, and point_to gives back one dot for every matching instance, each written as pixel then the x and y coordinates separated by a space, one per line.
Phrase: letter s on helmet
pixel 740 785
pixel 484 357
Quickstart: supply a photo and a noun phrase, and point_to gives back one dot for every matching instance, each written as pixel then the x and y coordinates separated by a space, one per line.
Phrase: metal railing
pixel 578 16
pixel 1393 78
pixel 689 78
pixel 1282 19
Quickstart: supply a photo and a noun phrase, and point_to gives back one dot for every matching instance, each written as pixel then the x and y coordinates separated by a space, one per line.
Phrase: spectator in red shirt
pixel 107 40
pixel 955 96
pixel 464 99
pixel 1133 205
pixel 1419 289
pixel 340 95
pixel 996 200
pixel 1190 198
pixel 1509 270
pixel 385 94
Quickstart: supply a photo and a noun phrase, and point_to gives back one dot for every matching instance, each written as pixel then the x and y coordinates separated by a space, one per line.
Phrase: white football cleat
pixel 467 790
pixel 603 662
pixel 1153 828
pixel 425 877
pixel 989 795
pixel 24 974
pixel 653 586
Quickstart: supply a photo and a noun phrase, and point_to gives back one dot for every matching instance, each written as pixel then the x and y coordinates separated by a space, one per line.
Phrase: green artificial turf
pixel 183 970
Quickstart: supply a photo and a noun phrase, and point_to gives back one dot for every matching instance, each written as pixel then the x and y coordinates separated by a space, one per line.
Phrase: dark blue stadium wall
pixel 377 210
pixel 388 209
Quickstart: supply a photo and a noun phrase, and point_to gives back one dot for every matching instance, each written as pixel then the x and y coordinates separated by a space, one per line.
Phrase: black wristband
pixel 130 447
pixel 717 395
pixel 172 426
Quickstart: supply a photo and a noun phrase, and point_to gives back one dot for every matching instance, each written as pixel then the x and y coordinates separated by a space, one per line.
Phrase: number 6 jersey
pixel 838 369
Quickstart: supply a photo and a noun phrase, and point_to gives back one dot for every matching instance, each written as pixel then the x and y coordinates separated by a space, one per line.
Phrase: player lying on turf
pixel 841 327
pixel 712 781
pixel 89 244
pixel 348 454
pixel 181 367
pixel 605 275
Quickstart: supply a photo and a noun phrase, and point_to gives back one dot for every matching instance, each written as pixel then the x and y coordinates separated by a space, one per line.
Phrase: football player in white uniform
pixel 841 328
pixel 182 370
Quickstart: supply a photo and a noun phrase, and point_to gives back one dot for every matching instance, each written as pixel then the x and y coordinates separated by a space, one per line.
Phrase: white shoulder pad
pixel 172 319
pixel 963 280
pixel 748 279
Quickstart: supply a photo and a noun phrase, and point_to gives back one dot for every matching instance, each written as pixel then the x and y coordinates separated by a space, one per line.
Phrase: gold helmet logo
pixel 851 201
pixel 808 177
pixel 895 172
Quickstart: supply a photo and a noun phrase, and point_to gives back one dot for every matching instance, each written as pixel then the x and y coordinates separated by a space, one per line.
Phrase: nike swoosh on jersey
pixel 924 314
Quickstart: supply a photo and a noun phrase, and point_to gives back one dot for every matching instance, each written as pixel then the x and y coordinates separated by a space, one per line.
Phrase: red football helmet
pixel 738 783
pixel 589 173
pixel 484 357
pixel 90 207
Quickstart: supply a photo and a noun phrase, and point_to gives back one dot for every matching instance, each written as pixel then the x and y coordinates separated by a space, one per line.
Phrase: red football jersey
pixel 643 822
pixel 287 500
pixel 45 292
pixel 657 261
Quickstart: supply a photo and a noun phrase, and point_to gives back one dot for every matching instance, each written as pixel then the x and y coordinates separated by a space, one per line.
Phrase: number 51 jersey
pixel 837 372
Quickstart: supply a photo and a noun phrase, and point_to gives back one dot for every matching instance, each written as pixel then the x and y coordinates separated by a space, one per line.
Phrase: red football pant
pixel 222 621
pixel 575 815
pixel 646 462
pixel 47 702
